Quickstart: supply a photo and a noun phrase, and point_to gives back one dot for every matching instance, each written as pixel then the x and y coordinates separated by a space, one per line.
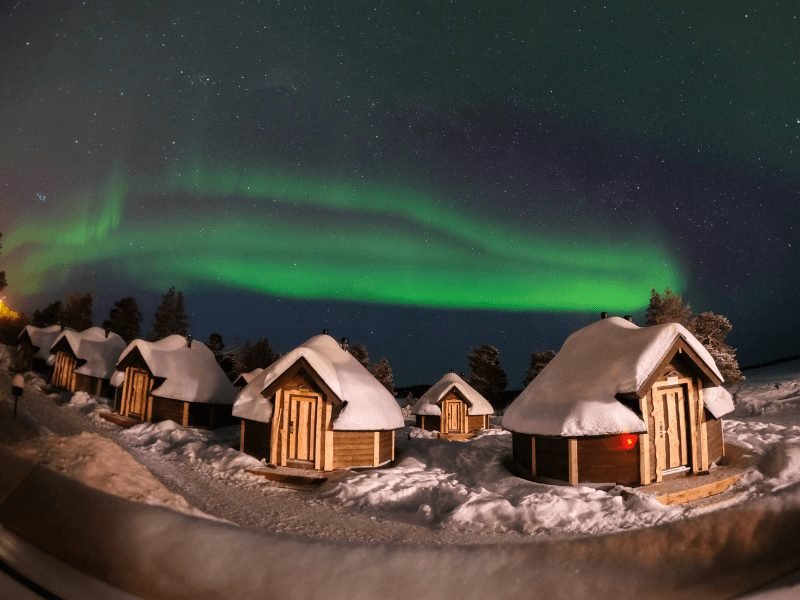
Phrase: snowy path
pixel 245 500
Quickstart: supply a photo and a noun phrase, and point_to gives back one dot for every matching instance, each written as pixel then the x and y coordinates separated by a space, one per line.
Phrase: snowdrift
pixel 155 552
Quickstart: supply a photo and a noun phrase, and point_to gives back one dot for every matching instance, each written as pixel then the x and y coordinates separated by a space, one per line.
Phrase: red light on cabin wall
pixel 627 441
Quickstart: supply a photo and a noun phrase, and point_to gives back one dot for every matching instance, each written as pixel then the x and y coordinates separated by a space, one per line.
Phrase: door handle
pixel 291 426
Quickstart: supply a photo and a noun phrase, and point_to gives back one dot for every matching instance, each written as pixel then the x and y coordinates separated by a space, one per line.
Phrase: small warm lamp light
pixel 627 441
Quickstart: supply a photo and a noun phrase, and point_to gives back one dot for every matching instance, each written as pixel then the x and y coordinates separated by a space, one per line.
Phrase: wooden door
pixel 137 390
pixel 301 415
pixel 63 372
pixel 670 428
pixel 454 416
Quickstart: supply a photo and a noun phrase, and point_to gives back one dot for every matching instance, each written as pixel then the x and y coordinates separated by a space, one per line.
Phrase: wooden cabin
pixel 318 408
pixel 33 347
pixel 83 361
pixel 621 404
pixel 243 379
pixel 175 378
pixel 453 408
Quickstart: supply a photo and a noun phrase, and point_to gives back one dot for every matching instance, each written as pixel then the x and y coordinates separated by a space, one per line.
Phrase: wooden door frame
pixel 279 435
pixel 691 426
pixel 462 416
pixel 125 408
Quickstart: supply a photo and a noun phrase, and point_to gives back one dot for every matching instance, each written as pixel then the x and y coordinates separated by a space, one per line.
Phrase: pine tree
pixel 251 356
pixel 359 351
pixel 49 315
pixel 382 371
pixel 124 318
pixel 539 361
pixel 486 375
pixel 77 311
pixel 170 316
pixel 711 330
pixel 668 307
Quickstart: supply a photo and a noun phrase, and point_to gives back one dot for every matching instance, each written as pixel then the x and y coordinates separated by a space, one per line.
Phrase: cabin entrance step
pixel 694 487
pixel 293 476
pixel 118 419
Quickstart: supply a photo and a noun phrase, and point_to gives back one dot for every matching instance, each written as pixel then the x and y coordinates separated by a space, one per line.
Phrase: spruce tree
pixel 251 356
pixel 711 330
pixel 668 307
pixel 486 375
pixel 124 318
pixel 49 315
pixel 359 351
pixel 539 361
pixel 170 316
pixel 382 371
pixel 77 311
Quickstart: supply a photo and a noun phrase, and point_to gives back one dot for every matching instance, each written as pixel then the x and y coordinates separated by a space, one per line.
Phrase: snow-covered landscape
pixel 438 492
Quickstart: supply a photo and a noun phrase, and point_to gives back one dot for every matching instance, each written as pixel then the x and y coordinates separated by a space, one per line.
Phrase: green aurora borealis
pixel 336 240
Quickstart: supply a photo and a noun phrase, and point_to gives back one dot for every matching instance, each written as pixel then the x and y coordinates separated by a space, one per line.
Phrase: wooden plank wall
pixel 601 461
pixel 167 409
pixel 353 449
pixel 475 422
pixel 552 458
pixel 256 438
pixel 521 451
pixel 715 444
pixel 386 450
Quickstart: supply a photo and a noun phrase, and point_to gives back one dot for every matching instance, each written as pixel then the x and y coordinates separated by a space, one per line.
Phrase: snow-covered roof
pixel 191 374
pixel 98 348
pixel 245 378
pixel 369 405
pixel 428 404
pixel 42 338
pixel 576 393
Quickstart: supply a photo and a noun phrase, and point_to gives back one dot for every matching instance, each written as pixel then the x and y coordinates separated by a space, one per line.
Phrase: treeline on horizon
pixel 486 374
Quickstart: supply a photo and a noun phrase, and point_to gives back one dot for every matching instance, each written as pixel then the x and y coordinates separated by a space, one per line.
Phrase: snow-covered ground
pixel 438 492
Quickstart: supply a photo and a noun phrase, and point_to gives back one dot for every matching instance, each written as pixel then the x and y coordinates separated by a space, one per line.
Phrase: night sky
pixel 421 177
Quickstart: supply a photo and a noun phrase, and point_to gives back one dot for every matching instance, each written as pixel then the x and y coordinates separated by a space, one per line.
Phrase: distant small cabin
pixel 318 408
pixel 175 378
pixel 83 361
pixel 244 378
pixel 453 408
pixel 621 404
pixel 33 347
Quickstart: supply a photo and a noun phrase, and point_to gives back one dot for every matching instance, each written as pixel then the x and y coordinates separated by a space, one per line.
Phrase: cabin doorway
pixel 137 382
pixel 298 419
pixel 671 429
pixel 454 416
pixel 64 371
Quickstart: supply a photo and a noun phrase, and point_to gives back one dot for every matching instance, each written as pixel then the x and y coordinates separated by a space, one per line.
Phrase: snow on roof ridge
pixel 41 337
pixel 190 374
pixel 428 404
pixel 98 348
pixel 576 393
pixel 369 405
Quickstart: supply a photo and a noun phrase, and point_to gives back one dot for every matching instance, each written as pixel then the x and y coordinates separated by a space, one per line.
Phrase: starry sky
pixel 421 177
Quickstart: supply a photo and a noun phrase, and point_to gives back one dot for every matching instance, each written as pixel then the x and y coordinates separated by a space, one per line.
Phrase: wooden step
pixel 118 419
pixel 694 487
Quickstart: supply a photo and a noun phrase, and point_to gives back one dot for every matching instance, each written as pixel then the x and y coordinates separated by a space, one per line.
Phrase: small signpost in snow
pixel 17 385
